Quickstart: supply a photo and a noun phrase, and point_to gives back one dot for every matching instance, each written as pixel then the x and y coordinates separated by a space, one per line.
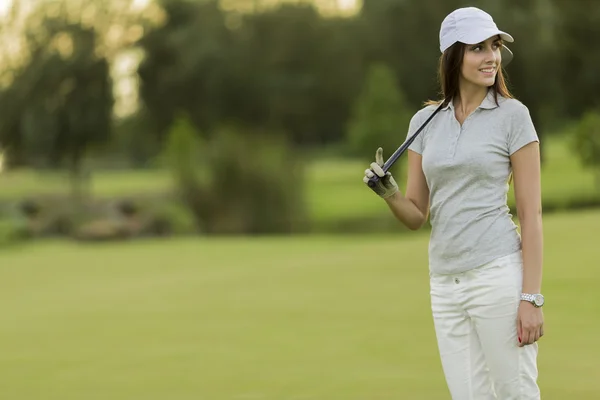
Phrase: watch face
pixel 539 300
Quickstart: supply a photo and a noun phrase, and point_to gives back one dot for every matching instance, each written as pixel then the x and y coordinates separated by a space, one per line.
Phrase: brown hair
pixel 450 63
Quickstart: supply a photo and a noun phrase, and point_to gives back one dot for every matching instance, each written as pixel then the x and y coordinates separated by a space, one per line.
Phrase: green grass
pixel 319 317
pixel 16 185
pixel 563 173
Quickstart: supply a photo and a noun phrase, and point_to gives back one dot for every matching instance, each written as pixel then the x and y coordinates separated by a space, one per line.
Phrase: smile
pixel 488 70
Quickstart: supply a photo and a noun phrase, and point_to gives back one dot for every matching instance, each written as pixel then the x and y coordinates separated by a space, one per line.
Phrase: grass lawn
pixel 308 318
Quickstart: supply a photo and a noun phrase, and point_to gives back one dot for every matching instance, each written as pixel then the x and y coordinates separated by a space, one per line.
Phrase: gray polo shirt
pixel 467 169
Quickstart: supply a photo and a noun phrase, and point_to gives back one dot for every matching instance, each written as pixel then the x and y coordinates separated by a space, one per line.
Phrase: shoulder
pixel 513 108
pixel 416 121
pixel 425 112
pixel 518 127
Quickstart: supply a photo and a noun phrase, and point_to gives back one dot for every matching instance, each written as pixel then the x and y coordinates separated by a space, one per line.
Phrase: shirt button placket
pixel 455 140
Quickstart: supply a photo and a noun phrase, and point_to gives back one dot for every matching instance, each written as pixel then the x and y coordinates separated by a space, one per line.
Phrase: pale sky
pixel 4 5
pixel 347 4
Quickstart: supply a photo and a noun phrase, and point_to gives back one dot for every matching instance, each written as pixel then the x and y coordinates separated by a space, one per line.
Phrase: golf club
pixel 388 164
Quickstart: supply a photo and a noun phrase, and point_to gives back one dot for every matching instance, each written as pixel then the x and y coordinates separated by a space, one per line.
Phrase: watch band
pixel 536 299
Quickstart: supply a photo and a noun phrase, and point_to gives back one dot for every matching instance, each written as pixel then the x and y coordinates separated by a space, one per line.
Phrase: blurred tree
pixel 184 67
pixel 285 69
pixel 59 103
pixel 72 108
pixel 304 71
pixel 55 77
pixel 577 43
pixel 135 139
pixel 381 116
pixel 586 142
pixel 405 35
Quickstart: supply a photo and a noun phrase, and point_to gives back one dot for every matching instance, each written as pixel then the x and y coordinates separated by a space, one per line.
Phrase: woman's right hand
pixel 386 185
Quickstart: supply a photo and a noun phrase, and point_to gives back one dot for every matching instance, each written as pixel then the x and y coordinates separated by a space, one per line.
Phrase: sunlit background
pixel 182 211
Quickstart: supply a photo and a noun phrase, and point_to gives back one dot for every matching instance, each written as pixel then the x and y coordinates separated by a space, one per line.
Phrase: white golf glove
pixel 386 185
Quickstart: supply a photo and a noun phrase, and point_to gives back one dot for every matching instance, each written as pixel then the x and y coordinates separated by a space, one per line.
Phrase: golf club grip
pixel 396 155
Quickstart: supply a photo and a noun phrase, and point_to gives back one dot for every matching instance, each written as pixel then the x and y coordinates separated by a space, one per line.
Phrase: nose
pixel 492 56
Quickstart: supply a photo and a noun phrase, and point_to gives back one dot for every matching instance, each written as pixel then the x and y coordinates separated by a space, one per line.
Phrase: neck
pixel 470 97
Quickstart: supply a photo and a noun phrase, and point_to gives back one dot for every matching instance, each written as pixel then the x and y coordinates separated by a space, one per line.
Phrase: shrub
pixel 586 142
pixel 380 116
pixel 237 182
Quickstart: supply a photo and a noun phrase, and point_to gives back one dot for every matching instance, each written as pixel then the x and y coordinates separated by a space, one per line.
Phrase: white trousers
pixel 475 319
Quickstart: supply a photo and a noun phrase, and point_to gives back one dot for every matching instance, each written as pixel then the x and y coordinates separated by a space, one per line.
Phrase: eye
pixel 476 47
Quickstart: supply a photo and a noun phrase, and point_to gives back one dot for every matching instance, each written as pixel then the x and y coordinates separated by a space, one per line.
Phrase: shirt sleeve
pixel 522 131
pixel 417 144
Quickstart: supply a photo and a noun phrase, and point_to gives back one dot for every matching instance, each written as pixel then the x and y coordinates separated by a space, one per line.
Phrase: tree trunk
pixel 79 181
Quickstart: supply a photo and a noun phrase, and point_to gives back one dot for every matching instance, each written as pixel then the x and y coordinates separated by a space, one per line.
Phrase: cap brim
pixel 506 37
pixel 482 36
pixel 507 56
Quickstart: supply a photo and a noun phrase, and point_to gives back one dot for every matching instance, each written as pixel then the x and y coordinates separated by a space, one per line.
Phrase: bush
pixel 237 183
pixel 380 117
pixel 586 142
pixel 176 218
pixel 49 216
pixel 150 216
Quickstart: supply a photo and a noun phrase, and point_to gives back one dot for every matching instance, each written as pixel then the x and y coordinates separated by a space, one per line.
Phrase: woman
pixel 485 277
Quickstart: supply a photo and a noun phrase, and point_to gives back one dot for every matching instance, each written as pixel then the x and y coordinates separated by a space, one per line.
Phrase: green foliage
pixel 236 182
pixel 257 181
pixel 136 140
pixel 183 151
pixel 61 102
pixel 283 69
pixel 577 56
pixel 586 142
pixel 178 218
pixel 381 116
pixel 185 65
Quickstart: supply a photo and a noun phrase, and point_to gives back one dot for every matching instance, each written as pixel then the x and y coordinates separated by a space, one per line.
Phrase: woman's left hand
pixel 530 323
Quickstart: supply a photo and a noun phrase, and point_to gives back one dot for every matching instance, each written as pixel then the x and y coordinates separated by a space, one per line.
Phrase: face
pixel 481 62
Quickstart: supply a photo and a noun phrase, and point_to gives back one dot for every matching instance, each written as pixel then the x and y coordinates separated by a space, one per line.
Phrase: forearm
pixel 532 249
pixel 405 211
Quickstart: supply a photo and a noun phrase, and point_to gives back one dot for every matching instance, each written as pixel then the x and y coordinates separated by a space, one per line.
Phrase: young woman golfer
pixel 485 276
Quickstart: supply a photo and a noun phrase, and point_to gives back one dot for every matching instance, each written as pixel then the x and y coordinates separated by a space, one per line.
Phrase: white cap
pixel 471 25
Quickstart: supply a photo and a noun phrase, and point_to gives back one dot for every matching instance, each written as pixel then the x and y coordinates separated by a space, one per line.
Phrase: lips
pixel 488 70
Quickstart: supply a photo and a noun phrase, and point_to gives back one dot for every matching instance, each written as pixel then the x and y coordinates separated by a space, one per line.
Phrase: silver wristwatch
pixel 536 299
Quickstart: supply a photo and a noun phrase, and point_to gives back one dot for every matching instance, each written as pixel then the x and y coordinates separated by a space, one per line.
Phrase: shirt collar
pixel 488 102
